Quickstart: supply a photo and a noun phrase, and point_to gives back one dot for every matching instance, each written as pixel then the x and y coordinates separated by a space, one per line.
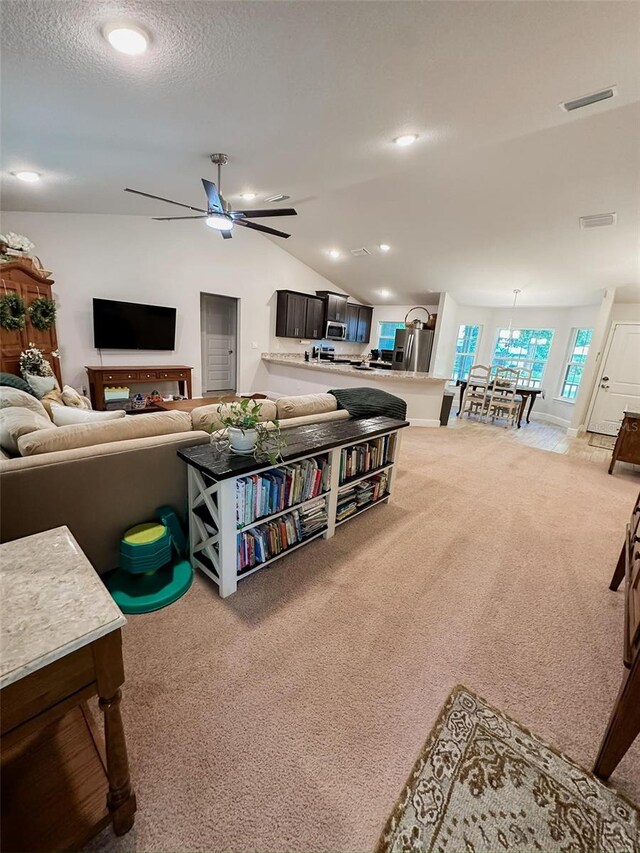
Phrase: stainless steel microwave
pixel 335 331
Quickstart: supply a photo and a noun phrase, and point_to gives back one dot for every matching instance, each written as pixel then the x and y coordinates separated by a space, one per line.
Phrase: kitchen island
pixel 290 374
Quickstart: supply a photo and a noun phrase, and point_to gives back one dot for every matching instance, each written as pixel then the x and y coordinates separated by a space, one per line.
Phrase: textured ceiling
pixel 305 98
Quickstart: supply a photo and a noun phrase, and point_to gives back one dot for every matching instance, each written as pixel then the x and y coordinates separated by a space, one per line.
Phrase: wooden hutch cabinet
pixel 22 278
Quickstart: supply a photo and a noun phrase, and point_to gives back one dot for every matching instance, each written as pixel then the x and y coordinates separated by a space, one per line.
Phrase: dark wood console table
pixel 627 447
pixel 102 377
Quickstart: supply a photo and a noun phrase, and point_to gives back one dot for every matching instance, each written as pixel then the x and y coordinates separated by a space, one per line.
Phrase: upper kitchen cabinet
pixel 299 315
pixel 335 306
pixel 359 323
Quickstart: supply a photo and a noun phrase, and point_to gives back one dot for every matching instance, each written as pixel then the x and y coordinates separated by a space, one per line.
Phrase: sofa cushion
pixel 206 417
pixel 86 435
pixel 338 415
pixel 10 380
pixel 70 397
pixel 51 397
pixel 65 415
pixel 15 397
pixel 17 422
pixel 305 404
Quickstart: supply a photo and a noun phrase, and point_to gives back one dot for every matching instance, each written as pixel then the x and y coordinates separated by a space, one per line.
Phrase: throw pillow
pixel 65 415
pixel 15 397
pixel 70 397
pixel 10 380
pixel 42 384
pixel 15 422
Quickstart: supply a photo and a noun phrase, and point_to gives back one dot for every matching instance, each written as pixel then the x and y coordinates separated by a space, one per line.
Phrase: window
pixel 466 348
pixel 387 334
pixel 576 358
pixel 527 349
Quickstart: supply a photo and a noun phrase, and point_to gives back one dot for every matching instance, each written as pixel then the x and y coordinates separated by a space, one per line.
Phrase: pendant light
pixel 507 334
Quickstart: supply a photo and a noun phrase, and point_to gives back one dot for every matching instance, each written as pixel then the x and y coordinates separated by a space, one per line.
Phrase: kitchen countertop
pixel 52 602
pixel 292 360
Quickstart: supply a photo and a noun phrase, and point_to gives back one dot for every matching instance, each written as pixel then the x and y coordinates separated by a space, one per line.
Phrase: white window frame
pixel 399 323
pixel 525 363
pixel 569 363
pixel 473 354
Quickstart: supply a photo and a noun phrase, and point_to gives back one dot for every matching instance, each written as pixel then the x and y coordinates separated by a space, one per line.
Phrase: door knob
pixel 602 385
pixel 605 378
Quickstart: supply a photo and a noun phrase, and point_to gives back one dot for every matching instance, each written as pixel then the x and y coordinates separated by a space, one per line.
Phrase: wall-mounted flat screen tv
pixel 130 325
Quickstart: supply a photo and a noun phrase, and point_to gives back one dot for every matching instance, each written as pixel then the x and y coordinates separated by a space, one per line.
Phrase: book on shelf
pixel 364 457
pixel 351 498
pixel 271 538
pixel 260 495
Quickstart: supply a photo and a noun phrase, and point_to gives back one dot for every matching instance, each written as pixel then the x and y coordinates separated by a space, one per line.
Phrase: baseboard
pixel 424 422
pixel 572 433
pixel 550 419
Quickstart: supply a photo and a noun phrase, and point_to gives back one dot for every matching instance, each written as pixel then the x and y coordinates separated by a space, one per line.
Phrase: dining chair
pixel 475 394
pixel 504 401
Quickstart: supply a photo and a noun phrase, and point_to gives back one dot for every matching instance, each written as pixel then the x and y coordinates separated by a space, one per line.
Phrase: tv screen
pixel 130 325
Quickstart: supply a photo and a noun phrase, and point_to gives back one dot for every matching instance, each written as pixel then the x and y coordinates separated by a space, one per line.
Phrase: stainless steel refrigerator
pixel 412 350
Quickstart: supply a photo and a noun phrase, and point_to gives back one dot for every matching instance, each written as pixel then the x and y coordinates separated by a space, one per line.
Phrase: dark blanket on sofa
pixel 369 402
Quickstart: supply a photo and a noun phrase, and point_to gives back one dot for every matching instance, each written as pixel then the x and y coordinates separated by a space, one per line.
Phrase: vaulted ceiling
pixel 306 97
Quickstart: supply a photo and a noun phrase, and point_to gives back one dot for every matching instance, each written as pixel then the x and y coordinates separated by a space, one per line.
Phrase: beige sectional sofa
pixel 101 478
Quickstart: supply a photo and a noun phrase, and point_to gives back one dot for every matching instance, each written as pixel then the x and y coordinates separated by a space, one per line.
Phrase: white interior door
pixel 619 385
pixel 218 324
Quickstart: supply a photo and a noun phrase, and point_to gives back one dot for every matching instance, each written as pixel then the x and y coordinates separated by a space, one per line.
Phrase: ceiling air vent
pixel 598 220
pixel 587 100
pixel 359 253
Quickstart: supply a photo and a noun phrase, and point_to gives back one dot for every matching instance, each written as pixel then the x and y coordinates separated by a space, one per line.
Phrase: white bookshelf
pixel 213 529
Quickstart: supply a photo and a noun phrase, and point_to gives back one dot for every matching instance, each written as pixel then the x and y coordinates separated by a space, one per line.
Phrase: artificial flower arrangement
pixel 15 244
pixel 244 432
pixel 33 362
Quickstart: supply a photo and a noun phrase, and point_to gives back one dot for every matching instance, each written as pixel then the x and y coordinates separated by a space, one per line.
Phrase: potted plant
pixel 244 432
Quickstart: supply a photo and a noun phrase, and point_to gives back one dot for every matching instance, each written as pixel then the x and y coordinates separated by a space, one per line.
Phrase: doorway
pixel 219 338
pixel 619 380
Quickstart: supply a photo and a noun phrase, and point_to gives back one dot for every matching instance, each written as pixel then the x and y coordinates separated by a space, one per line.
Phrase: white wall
pixel 561 320
pixel 444 343
pixel 135 259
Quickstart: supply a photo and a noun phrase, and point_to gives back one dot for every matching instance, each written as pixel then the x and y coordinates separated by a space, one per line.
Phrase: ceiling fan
pixel 218 214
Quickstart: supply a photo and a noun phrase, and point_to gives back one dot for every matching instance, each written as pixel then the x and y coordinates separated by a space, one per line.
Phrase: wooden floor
pixel 544 436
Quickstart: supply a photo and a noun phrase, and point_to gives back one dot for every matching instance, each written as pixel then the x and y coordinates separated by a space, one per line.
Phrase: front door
pixel 619 384
pixel 218 325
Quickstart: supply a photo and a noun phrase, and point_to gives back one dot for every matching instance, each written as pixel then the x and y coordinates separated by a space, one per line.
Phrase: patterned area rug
pixel 483 783
pixel 607 442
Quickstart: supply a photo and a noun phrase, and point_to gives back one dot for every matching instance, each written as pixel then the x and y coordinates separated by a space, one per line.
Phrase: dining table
pixel 527 393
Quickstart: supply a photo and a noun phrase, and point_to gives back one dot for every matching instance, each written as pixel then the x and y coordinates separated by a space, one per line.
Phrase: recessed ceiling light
pixel 127 38
pixel 385 294
pixel 406 139
pixel 27 177
pixel 248 196
pixel 334 253
pixel 384 247
pixel 220 223
pixel 278 197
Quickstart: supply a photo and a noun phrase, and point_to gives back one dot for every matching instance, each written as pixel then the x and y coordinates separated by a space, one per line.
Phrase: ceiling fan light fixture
pixel 219 222
pixel 384 247
pixel 127 38
pixel 405 139
pixel 248 196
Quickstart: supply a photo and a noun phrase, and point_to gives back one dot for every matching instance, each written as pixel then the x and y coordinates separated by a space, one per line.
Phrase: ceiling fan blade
pixel 212 195
pixel 257 214
pixel 172 218
pixel 226 235
pixel 263 228
pixel 168 200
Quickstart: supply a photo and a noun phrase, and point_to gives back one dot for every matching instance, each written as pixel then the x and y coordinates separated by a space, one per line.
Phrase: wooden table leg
pixel 521 410
pixel 463 385
pixel 532 399
pixel 618 574
pixel 107 655
pixel 624 724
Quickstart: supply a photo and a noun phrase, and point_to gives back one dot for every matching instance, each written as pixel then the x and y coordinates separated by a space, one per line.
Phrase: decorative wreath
pixel 42 313
pixel 13 311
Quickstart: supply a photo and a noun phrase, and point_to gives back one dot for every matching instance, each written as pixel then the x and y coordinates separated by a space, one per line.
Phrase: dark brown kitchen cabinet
pixel 299 315
pixel 315 318
pixel 365 315
pixel 335 306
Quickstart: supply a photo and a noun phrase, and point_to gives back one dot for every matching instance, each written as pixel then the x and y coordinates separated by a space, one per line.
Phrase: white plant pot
pixel 243 441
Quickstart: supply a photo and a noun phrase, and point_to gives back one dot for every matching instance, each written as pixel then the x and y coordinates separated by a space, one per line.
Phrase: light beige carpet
pixel 483 783
pixel 287 716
